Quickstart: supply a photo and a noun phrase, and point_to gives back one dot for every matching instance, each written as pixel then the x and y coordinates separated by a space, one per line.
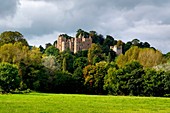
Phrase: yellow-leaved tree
pixel 148 57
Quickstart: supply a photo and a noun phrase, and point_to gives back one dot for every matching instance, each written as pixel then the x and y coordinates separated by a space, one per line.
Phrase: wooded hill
pixel 95 71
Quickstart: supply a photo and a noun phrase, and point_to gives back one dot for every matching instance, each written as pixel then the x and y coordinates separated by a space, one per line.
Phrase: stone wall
pixel 74 44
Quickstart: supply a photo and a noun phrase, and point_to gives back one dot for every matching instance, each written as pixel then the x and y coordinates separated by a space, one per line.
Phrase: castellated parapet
pixel 74 44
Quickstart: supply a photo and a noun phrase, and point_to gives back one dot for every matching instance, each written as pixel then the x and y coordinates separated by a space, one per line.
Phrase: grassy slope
pixel 60 103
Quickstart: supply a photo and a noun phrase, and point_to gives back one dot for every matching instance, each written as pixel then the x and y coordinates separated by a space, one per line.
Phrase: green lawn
pixel 67 103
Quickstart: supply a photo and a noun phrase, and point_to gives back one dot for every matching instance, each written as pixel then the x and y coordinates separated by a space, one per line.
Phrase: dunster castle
pixel 74 44
pixel 80 43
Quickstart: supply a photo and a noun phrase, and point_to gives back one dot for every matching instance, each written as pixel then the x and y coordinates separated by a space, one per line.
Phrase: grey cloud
pixel 124 19
pixel 8 7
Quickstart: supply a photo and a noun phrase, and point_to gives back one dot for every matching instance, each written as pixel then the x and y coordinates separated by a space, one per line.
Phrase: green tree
pixel 83 33
pixel 41 49
pixel 82 53
pixel 12 37
pixel 30 67
pixel 88 73
pixel 133 75
pixel 111 81
pixel 9 79
pixel 94 77
pixel 166 81
pixel 78 80
pixel 64 64
pixel 80 62
pixel 109 41
pixel 126 80
pixel 51 50
pixel 94 51
pixel 156 83
pixel 127 46
pixel 69 60
pixel 47 45
pixel 61 82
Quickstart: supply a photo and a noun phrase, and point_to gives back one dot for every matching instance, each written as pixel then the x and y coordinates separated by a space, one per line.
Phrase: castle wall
pixel 74 44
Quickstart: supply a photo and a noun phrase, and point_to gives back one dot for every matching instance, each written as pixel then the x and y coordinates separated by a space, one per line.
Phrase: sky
pixel 41 21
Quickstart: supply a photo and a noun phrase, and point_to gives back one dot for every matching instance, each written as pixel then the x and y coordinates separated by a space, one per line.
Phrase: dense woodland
pixel 141 70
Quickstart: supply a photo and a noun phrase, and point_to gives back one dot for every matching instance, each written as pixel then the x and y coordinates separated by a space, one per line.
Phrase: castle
pixel 117 49
pixel 73 44
pixel 79 43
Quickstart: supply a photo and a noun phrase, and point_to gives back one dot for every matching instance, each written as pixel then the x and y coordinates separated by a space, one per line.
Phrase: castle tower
pixel 117 49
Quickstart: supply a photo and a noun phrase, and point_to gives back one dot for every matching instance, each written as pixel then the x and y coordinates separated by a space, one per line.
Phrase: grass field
pixel 67 103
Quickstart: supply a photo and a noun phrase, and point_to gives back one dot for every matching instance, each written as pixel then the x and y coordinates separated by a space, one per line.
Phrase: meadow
pixel 74 103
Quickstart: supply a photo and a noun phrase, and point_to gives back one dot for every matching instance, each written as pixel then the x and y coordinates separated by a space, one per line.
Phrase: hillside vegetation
pixel 98 70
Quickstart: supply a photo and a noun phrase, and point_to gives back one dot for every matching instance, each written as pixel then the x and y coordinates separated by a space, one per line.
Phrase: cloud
pixel 147 20
pixel 8 7
pixel 37 40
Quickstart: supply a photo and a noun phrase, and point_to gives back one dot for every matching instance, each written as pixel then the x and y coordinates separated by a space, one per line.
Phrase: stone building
pixel 117 49
pixel 74 44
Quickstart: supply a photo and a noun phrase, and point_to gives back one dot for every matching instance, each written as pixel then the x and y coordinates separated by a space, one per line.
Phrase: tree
pixel 127 46
pixel 126 80
pixel 94 77
pixel 13 53
pixel 69 61
pixel 78 80
pixel 155 83
pixel 133 75
pixel 130 55
pixel 51 50
pixel 135 42
pixel 47 45
pixel 80 62
pixel 12 37
pixel 82 53
pixel 50 63
pixel 94 51
pixel 167 57
pixel 9 79
pixel 111 56
pixel 41 49
pixel 111 81
pixel 81 32
pixel 97 39
pixel 101 72
pixel 109 41
pixel 88 73
pixel 148 57
pixel 30 68
pixel 146 45
pixel 64 64
pixel 61 82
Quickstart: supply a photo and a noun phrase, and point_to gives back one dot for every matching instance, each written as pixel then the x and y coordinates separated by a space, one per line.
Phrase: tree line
pixel 95 71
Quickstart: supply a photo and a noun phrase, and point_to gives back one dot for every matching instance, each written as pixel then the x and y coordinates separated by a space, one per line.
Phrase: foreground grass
pixel 65 103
